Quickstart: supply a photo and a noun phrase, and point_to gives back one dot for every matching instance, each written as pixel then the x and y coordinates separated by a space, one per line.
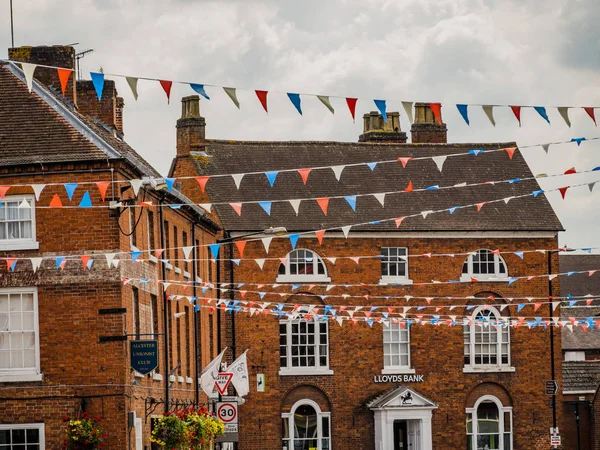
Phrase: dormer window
pixel 303 266
pixel 484 265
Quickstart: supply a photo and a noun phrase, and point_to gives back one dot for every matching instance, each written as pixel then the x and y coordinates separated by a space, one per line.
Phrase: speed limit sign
pixel 227 412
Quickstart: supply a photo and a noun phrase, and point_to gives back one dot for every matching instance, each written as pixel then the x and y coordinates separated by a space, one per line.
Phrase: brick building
pixel 411 381
pixel 64 327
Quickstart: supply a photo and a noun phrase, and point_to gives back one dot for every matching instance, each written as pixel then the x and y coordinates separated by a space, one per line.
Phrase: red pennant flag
pixel 283 261
pixel 102 186
pixel 237 207
pixel 510 151
pixel 63 75
pixel 202 182
pixel 243 294
pixel 166 85
pixel 241 245
pixel 517 112
pixel 356 259
pixel 436 108
pixel 474 280
pixel 398 221
pixel 324 204
pixel 409 188
pixel 3 191
pixel 563 191
pixel 84 260
pixel 480 205
pixel 495 252
pixel 55 202
pixel 589 301
pixel 158 252
pixel 262 97
pixel 311 286
pixel 591 272
pixel 570 171
pixel 351 102
pixel 428 299
pixel 9 262
pixel 63 264
pixel 304 174
pixel 590 111
pixel 537 306
pixel 320 234
pixel 405 160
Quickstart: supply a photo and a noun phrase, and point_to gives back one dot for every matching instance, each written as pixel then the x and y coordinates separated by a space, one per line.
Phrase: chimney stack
pixel 426 129
pixel 108 110
pixel 375 129
pixel 191 127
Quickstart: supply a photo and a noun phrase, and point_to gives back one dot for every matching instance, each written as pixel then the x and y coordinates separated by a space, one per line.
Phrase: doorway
pixel 400 435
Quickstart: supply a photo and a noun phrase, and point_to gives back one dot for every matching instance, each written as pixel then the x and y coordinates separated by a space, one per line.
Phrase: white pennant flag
pixel 329 287
pixel 24 205
pixel 239 368
pixel 232 95
pixel 508 199
pixel 325 100
pixel 591 186
pixel 260 262
pixel 187 251
pixel 426 213
pixel 555 320
pixel 408 107
pixel 296 205
pixel 206 206
pixel 166 286
pixel 210 373
pixel 37 189
pixel 332 260
pixel 337 170
pixel 237 178
pixel 564 113
pixel 109 258
pixel 339 320
pixel 489 112
pixel 546 147
pixel 132 82
pixel 135 185
pixel 115 263
pixel 463 184
pixel 28 70
pixel 380 198
pixel 267 243
pixel 555 305
pixel 439 161
pixel 35 263
pixel 346 230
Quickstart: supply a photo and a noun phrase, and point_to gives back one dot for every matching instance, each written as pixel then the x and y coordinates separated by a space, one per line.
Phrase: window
pixel 487 341
pixel 176 246
pixel 188 353
pixel 484 265
pixel 303 346
pixel 575 356
pixel 132 227
pixel 22 436
pixel 19 335
pixel 489 425
pixel 186 265
pixel 396 348
pixel 154 321
pixel 135 308
pixel 151 238
pixel 17 223
pixel 304 266
pixel 394 265
pixel 167 241
pixel 197 257
pixel 178 337
pixel 306 427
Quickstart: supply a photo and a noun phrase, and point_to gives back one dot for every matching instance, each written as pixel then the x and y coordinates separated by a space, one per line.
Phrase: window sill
pixel 186 275
pixel 395 280
pixel 19 245
pixel 303 372
pixel 172 378
pixel 189 380
pixel 177 270
pixel 153 259
pixel 490 369
pixel 302 279
pixel 168 266
pixel 397 371
pixel 484 279
pixel 136 374
pixel 157 376
pixel 180 379
pixel 17 377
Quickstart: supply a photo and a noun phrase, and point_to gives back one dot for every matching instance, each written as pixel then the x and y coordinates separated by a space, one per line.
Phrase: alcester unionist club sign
pixel 407 378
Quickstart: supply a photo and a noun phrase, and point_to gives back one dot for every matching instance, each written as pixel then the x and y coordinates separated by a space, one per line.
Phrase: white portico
pixel 402 420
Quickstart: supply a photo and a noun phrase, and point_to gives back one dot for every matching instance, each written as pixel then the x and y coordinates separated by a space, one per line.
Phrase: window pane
pixel 487 418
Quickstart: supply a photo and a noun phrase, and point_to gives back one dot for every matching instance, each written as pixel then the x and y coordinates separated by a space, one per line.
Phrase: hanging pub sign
pixel 144 356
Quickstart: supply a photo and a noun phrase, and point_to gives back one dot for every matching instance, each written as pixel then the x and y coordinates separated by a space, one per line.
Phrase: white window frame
pixel 501 411
pixel 575 355
pixel 305 277
pixel 487 325
pixel 317 369
pixel 398 368
pixel 139 433
pixel 496 276
pixel 320 415
pixel 395 279
pixel 28 426
pixel 33 373
pixel 21 244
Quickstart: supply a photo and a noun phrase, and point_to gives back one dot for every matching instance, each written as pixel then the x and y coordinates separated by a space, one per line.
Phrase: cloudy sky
pixel 526 52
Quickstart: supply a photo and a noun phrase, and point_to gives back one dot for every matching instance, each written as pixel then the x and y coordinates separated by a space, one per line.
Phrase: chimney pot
pixel 375 129
pixel 190 107
pixel 426 128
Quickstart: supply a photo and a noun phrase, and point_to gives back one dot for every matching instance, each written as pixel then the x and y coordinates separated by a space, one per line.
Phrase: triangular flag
pixel 60 260
pixel 439 161
pixel 489 112
pixel 296 205
pixel 380 198
pixel 320 234
pixel 199 88
pixel 102 186
pixel 214 250
pixel 166 85
pixel 546 147
pixel 517 112
pixel 267 243
pixel 37 190
pixel 70 188
pixel 98 82
pixel 206 206
pixel 564 113
pixel 86 201
pixel 262 97
pixel 590 112
pixel 266 206
pixel 304 174
pixel 136 185
pixel 351 102
pixel 202 181
pixel 541 110
pixel 398 221
pixel 520 254
pixel 408 107
pixel 295 99
pixel 237 178
pixel 170 182
pixel 232 95
pixel 187 251
pixel 35 263
pixel 382 108
pixel 3 191
pixel 63 76
pixel 462 109
pixel 510 151
pixel 409 188
pixel 480 205
pixel 271 177
pixel 109 258
pixel 351 199
pixel 11 263
pixel 337 170
pixel 237 207
pixel 563 191
pixel 135 255
pixel 591 186
pixel 404 160
pixel 132 82
pixel 324 204
pixel 436 108
pixel 294 239
pixel 260 262
pixel 578 140
pixel 55 202
pixel 240 245
pixel 325 100
pixel 28 70
pixel 346 230
pixel 372 165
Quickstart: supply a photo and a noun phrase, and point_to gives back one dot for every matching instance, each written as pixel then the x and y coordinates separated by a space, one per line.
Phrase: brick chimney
pixel 57 56
pixel 108 110
pixel 425 128
pixel 191 127
pixel 375 129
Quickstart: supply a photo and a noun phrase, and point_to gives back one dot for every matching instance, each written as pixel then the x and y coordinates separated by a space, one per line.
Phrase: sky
pixel 525 52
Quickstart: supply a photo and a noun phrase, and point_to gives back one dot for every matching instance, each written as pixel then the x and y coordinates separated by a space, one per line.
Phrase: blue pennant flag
pixel 294 239
pixel 296 286
pixel 579 141
pixel 170 182
pixel 295 99
pixel 569 296
pixel 570 273
pixel 475 151
pixel 175 206
pixel 588 250
pixel 370 322
pixel 13 265
pixel 462 109
pixel 196 308
pixel 382 108
pixel 514 180
pixel 351 199
pixel 590 321
pixel 512 280
pixel 536 193
pixel 541 110
pixel 98 82
pixel 237 261
pixel 199 88
pixel 373 164
pixel 70 188
pixel 374 308
pixel 327 309
pixel 520 254
pixel 595 169
pixel 86 201
pixel 419 308
pixel 375 222
pixel 135 256
pixel 262 295
pixel 572 303
pixel 59 260
pixel 432 188
pixel 520 306
pixel 538 320
pixel 214 249
pixel 470 307
pixel 266 206
pixel 204 289
pixel 271 176
pixel 451 210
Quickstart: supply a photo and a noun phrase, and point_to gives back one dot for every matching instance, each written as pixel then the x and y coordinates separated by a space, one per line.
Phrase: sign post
pixel 143 356
pixel 222 382
pixel 227 412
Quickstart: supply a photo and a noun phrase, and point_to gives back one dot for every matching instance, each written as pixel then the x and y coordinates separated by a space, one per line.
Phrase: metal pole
pixel 165 300
pixel 12 30
pixel 197 317
pixel 551 336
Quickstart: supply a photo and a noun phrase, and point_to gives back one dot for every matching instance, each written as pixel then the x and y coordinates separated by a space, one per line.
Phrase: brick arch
pixel 306 391
pixel 307 298
pixel 488 388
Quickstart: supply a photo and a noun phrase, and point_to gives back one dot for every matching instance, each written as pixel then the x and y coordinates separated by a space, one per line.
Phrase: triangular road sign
pixel 222 382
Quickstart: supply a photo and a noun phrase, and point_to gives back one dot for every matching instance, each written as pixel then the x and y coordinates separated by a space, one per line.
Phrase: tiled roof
pixel 580 376
pixel 236 157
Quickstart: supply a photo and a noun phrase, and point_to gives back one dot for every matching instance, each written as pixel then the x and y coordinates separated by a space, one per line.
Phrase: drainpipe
pixel 196 315
pixel 165 300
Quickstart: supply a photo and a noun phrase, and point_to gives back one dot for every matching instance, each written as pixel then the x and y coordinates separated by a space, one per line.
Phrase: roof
pixel 236 157
pixel 580 376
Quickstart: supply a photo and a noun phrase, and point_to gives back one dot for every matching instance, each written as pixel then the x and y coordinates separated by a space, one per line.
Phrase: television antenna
pixel 79 56
pixel 12 30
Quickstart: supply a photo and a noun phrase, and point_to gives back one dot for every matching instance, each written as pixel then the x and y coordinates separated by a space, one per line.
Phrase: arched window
pixel 489 425
pixel 306 427
pixel 303 266
pixel 483 264
pixel 487 341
